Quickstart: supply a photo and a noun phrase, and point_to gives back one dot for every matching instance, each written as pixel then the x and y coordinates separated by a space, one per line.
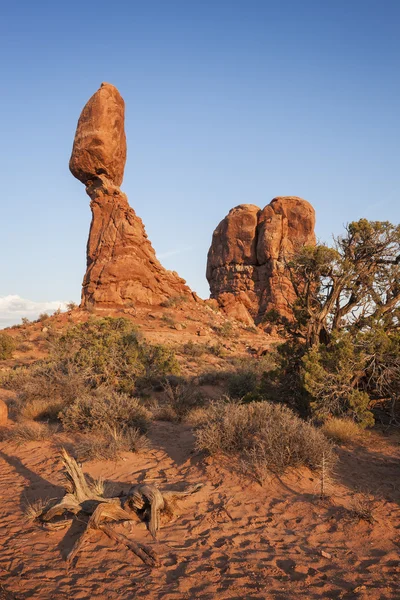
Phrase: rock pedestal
pixel 122 268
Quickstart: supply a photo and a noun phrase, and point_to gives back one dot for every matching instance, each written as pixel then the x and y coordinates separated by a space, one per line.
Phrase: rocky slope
pixel 122 268
pixel 246 261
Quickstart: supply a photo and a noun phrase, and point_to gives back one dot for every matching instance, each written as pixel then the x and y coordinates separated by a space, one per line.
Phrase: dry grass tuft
pixel 341 431
pixel 33 510
pixel 362 507
pixel 109 445
pixel 28 431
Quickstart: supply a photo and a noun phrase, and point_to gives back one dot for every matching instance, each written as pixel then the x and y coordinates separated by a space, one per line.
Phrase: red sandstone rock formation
pixel 246 260
pixel 122 268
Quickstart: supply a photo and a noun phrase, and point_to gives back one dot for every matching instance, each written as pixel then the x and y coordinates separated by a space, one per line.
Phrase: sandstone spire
pixel 122 268
pixel 246 260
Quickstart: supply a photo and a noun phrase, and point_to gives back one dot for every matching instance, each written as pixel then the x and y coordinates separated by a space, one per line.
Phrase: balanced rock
pixel 122 268
pixel 250 247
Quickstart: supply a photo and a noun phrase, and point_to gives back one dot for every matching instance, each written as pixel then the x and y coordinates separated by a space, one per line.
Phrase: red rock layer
pixel 249 249
pixel 122 268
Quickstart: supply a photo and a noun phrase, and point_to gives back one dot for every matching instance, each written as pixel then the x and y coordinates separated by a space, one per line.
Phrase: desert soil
pixel 233 539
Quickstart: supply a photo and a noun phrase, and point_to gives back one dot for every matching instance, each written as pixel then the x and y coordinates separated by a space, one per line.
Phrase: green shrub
pixel 7 346
pixel 103 409
pixel 330 377
pixel 264 436
pixel 242 383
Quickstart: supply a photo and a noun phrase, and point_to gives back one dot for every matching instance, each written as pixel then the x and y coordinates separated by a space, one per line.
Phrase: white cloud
pixel 13 308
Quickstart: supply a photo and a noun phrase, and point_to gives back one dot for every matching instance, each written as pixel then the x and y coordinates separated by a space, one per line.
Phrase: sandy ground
pixel 233 539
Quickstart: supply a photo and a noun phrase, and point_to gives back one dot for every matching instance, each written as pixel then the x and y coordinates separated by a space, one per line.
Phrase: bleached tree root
pixel 143 500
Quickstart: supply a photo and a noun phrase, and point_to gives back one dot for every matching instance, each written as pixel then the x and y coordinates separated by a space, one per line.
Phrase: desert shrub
pixel 183 397
pixel 197 417
pixel 110 443
pixel 266 437
pixel 242 383
pixel 193 349
pixel 99 352
pixel 174 301
pixel 342 431
pixel 362 507
pixel 158 361
pixel 226 330
pixel 24 347
pixel 71 305
pixel 164 412
pixel 168 320
pixel 213 377
pixel 28 431
pixel 43 316
pixel 103 409
pixel 217 350
pixel 7 346
pixel 43 390
pixel 245 381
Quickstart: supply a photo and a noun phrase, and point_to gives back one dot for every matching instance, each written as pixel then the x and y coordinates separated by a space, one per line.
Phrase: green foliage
pixel 110 351
pixel 332 377
pixel 242 383
pixel 343 348
pixel 7 346
pixel 107 355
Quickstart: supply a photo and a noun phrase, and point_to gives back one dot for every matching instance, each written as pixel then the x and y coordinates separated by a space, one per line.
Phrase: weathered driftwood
pixel 143 500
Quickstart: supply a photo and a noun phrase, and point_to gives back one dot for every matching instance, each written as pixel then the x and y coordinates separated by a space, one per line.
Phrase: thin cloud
pixel 13 308
pixel 173 252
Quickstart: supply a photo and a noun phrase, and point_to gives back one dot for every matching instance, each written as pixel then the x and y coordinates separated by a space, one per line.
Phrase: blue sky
pixel 227 102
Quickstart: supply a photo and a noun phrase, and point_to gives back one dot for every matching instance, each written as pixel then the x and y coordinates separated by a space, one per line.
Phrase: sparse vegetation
pixel 342 431
pixel 194 350
pixel 27 431
pixel 183 397
pixel 362 507
pixel 264 436
pixel 7 346
pixel 174 301
pixel 226 330
pixel 71 305
pixel 105 409
pixel 110 443
pixel 168 319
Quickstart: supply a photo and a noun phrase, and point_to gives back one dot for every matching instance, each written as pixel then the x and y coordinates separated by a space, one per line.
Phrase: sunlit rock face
pixel 122 268
pixel 249 250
